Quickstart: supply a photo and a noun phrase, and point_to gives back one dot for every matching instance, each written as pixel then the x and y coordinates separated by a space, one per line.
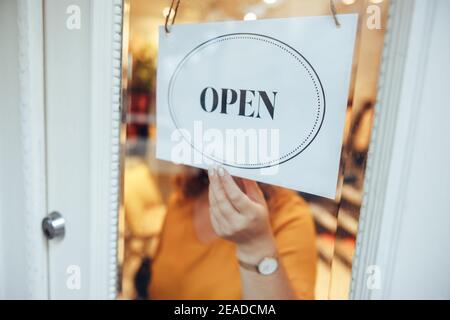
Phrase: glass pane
pixel 367 64
pixel 170 248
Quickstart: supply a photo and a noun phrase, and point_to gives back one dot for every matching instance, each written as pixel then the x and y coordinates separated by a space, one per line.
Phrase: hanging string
pixel 174 14
pixel 175 10
pixel 334 12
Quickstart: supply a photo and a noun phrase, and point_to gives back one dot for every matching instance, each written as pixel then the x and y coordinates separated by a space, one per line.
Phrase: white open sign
pixel 265 99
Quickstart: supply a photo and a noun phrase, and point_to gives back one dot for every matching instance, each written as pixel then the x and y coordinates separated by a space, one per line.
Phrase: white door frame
pixel 388 214
pixel 52 95
pixel 83 117
pixel 106 106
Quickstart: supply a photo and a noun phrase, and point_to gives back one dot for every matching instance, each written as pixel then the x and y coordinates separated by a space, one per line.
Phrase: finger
pixel 217 220
pixel 212 199
pixel 253 191
pixel 220 201
pixel 238 199
pixel 217 227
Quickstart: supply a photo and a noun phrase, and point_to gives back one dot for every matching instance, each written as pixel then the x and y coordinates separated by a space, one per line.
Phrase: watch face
pixel 268 266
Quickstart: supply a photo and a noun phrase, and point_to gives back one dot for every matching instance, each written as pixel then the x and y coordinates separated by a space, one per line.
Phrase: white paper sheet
pixel 265 99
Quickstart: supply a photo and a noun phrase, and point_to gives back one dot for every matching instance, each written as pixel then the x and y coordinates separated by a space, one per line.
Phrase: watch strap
pixel 248 266
pixel 253 267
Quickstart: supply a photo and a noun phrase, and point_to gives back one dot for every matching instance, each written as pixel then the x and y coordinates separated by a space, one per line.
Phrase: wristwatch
pixel 266 266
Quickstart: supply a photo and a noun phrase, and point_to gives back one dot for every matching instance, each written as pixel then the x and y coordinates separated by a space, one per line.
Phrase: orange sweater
pixel 185 268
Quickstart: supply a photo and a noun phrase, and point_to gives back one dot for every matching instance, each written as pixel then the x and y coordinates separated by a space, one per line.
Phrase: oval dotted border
pixel 292 52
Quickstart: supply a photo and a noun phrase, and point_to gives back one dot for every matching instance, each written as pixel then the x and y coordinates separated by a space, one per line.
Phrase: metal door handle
pixel 54 225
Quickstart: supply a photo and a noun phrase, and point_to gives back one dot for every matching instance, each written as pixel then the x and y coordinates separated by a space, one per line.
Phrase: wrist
pixel 253 252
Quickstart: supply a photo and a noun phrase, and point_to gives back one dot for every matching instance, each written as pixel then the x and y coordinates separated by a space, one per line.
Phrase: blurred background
pixel 148 182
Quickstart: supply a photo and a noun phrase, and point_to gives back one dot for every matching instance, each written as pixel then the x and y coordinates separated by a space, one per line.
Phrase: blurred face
pixel 192 172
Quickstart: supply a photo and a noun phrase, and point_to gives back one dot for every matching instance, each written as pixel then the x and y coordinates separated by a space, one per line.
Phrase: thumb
pixel 253 191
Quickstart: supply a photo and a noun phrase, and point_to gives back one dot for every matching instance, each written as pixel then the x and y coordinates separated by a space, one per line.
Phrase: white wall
pixel 422 260
pixel 12 248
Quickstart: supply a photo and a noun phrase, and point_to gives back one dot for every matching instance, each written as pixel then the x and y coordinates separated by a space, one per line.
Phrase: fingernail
pixel 211 171
pixel 221 171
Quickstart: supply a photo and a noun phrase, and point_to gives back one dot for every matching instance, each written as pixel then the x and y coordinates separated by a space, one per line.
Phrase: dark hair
pixel 192 185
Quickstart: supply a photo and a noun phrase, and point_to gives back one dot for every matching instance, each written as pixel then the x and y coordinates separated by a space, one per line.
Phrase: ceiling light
pixel 166 11
pixel 250 16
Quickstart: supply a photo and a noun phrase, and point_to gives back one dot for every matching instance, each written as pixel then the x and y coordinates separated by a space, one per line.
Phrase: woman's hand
pixel 240 217
pixel 243 217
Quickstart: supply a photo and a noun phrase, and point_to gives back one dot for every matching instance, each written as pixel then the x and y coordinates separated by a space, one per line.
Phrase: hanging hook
pixel 332 8
pixel 174 15
pixel 334 12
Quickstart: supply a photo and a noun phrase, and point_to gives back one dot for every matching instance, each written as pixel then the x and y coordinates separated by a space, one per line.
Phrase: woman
pixel 232 240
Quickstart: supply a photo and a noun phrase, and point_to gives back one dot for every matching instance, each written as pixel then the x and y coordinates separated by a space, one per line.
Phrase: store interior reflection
pixel 149 183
